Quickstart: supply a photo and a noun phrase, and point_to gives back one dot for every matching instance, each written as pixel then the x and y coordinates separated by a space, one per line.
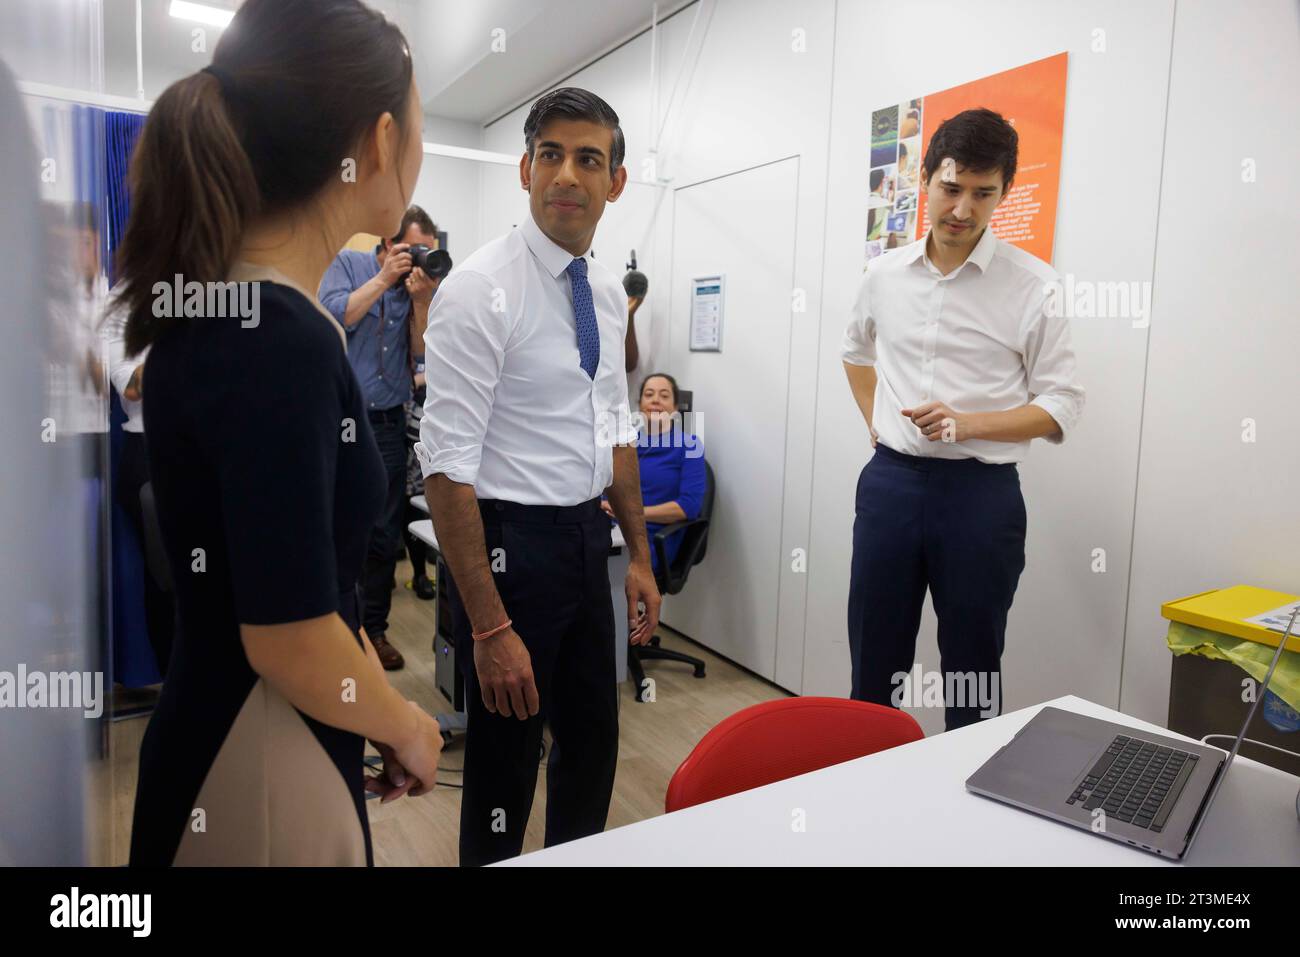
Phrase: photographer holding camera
pixel 382 301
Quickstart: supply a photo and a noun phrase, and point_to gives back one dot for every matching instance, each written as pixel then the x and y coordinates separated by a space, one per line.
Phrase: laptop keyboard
pixel 1136 782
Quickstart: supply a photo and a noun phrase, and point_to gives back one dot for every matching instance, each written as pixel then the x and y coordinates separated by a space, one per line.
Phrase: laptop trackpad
pixel 1043 762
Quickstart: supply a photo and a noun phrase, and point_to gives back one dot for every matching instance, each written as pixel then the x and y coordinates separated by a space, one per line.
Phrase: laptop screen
pixel 1250 716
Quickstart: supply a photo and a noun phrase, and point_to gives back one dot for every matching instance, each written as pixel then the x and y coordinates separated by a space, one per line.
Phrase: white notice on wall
pixel 706 313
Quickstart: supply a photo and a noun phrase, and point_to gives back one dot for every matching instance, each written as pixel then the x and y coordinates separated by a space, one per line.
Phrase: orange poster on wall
pixel 1031 98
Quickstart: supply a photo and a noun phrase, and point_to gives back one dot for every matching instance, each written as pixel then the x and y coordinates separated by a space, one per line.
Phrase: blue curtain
pixel 134 664
pixel 121 130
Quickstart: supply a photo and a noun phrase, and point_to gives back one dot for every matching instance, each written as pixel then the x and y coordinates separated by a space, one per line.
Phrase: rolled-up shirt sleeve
pixel 120 368
pixel 627 431
pixel 1050 369
pixel 335 288
pixel 464 351
pixel 859 347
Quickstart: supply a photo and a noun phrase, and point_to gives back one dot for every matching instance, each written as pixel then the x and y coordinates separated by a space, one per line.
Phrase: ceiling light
pixel 201 13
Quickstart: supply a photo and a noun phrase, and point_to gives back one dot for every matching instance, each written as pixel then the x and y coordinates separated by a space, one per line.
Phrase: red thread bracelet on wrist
pixel 488 634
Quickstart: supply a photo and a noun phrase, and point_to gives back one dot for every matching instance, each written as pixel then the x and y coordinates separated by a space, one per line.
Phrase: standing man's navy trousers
pixel 551 567
pixel 956 526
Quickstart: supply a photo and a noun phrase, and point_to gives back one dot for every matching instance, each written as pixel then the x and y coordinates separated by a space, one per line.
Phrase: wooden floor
pixel 654 738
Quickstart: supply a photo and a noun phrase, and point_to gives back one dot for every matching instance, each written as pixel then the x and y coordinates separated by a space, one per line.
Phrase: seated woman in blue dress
pixel 671 463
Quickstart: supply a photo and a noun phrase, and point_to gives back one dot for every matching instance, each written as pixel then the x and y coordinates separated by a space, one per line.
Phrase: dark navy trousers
pixel 957 527
pixel 551 567
pixel 384 548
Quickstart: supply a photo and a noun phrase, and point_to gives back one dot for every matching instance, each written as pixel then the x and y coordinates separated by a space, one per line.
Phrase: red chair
pixel 780 739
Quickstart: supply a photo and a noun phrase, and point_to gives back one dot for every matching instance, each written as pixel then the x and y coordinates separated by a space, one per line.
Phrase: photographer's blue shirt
pixel 379 346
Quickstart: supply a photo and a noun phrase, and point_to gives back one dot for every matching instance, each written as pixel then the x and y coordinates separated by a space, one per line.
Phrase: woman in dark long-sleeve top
pixel 247 179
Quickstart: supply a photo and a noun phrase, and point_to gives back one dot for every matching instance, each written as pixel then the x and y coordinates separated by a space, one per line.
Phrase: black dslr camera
pixel 436 263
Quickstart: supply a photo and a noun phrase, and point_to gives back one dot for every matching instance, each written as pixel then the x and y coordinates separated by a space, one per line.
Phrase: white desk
pixel 618 562
pixel 909 806
pixel 423 530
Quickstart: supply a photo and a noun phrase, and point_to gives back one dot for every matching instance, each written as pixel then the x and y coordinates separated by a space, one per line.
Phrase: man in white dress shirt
pixel 956 363
pixel 526 424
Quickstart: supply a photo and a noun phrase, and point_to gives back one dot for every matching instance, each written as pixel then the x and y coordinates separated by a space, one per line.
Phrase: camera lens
pixel 436 263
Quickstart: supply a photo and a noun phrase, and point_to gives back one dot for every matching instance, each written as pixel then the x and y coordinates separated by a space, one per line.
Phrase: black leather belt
pixel 495 510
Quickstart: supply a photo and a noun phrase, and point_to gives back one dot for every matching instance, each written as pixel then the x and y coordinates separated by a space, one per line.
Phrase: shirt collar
pixel 555 259
pixel 981 255
pixel 983 252
pixel 916 250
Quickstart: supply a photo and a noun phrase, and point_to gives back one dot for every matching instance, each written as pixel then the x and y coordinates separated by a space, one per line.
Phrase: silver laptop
pixel 1147 790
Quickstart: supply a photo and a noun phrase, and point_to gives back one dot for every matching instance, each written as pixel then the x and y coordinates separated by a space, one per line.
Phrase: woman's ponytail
pixel 293 87
pixel 193 191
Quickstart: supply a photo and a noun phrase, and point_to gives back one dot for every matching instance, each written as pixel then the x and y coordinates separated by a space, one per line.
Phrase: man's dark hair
pixel 661 375
pixel 636 283
pixel 572 103
pixel 415 216
pixel 978 140
pixel 877 177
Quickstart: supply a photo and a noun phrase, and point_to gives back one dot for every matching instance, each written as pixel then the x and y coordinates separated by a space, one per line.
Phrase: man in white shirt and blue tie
pixel 526 424
pixel 957 362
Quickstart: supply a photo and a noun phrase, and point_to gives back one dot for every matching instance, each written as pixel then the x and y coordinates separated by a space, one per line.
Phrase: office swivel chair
pixel 671 576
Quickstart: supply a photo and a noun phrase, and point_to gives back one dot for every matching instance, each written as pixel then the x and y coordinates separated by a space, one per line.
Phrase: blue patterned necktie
pixel 584 311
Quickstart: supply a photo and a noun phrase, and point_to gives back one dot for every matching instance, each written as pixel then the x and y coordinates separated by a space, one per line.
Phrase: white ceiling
pixel 459 74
